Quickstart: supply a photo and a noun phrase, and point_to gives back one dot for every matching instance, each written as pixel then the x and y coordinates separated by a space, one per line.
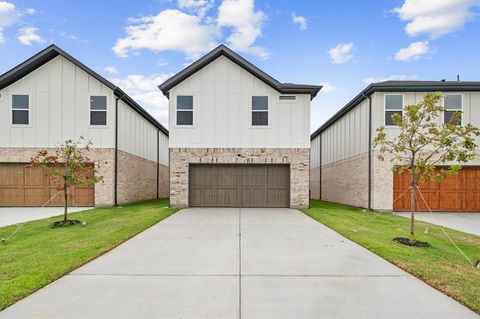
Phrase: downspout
pixel 369 150
pixel 115 164
pixel 320 167
pixel 158 161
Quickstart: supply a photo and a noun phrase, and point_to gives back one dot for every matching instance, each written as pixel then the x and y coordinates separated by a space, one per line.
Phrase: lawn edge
pixel 393 263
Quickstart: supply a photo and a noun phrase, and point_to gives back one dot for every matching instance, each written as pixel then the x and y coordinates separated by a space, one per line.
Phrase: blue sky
pixel 343 44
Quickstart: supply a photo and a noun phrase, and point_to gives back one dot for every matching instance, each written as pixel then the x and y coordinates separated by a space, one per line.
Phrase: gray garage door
pixel 239 185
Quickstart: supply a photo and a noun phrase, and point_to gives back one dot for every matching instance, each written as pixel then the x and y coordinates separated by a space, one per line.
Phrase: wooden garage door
pixel 21 185
pixel 458 193
pixel 239 185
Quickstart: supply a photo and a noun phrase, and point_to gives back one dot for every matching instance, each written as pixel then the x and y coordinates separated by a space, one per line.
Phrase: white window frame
pixel 267 111
pixel 90 111
pixel 385 110
pixel 184 110
pixel 29 110
pixel 287 100
pixel 461 108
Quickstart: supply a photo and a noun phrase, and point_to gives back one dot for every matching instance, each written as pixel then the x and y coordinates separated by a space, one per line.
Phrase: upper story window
pixel 453 106
pixel 260 110
pixel 393 105
pixel 20 109
pixel 98 110
pixel 184 110
pixel 287 97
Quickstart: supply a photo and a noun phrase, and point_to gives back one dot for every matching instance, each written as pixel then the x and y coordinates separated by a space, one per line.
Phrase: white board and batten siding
pixel 138 136
pixel 59 109
pixel 346 138
pixel 222 102
pixel 59 97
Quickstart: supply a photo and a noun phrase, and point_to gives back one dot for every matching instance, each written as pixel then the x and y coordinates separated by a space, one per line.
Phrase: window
pixel 393 105
pixel 98 110
pixel 288 97
pixel 20 109
pixel 453 106
pixel 260 110
pixel 184 110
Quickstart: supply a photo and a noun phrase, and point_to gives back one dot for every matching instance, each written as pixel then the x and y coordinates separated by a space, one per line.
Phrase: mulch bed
pixel 66 223
pixel 408 242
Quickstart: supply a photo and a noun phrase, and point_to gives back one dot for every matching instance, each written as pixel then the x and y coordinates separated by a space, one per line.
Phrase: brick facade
pixel 315 183
pixel 346 181
pixel 298 158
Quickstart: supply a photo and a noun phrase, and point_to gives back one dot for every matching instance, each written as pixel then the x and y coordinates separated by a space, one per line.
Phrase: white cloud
pixel 29 35
pixel 8 16
pixel 246 24
pixel 144 90
pixel 328 88
pixel 435 18
pixel 110 70
pixel 388 78
pixel 413 52
pixel 199 7
pixel 169 30
pixel 30 11
pixel 341 53
pixel 300 21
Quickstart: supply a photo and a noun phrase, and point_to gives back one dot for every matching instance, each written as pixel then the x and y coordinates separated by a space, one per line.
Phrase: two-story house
pixel 238 137
pixel 52 97
pixel 345 169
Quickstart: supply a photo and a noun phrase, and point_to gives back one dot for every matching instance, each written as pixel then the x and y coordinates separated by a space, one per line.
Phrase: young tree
pixel 423 142
pixel 68 166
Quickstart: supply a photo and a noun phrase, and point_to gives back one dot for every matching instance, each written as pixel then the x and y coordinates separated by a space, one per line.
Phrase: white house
pixel 52 97
pixel 238 137
pixel 344 168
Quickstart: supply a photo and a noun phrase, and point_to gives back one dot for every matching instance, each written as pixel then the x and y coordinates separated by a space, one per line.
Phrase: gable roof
pixel 399 86
pixel 53 51
pixel 222 50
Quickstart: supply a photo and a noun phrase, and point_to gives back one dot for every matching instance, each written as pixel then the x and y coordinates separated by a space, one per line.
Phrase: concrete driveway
pixel 16 215
pixel 238 263
pixel 465 222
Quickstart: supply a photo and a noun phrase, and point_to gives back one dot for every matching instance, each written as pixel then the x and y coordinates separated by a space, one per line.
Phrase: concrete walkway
pixel 16 215
pixel 238 263
pixel 464 222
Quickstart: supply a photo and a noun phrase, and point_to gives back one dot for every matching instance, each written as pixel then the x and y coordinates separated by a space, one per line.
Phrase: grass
pixel 39 254
pixel 441 266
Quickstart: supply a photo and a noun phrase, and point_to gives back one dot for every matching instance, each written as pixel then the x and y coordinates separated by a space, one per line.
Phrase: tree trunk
pixel 412 203
pixel 65 199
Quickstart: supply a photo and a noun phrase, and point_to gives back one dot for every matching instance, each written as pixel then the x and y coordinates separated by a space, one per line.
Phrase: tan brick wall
pixel 105 156
pixel 346 181
pixel 298 158
pixel 315 183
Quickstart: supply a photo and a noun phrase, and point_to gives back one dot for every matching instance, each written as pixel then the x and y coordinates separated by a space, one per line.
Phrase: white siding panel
pixel 222 93
pixel 59 94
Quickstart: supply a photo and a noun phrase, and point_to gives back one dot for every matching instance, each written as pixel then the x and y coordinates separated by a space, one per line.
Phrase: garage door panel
pixel 460 192
pixel 22 185
pixel 245 185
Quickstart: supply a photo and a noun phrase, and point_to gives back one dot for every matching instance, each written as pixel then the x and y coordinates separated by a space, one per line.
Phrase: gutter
pixel 369 97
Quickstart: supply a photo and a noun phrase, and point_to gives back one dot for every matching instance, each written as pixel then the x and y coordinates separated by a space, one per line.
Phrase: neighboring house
pixel 52 97
pixel 344 169
pixel 238 137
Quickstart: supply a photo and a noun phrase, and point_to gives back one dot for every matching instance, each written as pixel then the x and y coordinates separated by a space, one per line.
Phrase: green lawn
pixel 441 266
pixel 38 254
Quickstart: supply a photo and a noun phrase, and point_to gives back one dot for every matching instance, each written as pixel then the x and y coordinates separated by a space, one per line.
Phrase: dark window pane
pixel 287 97
pixel 20 101
pixel 453 102
pixel 259 103
pixel 259 118
pixel 185 102
pixel 449 117
pixel 98 118
pixel 19 117
pixel 393 102
pixel 184 117
pixel 388 117
pixel 98 102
